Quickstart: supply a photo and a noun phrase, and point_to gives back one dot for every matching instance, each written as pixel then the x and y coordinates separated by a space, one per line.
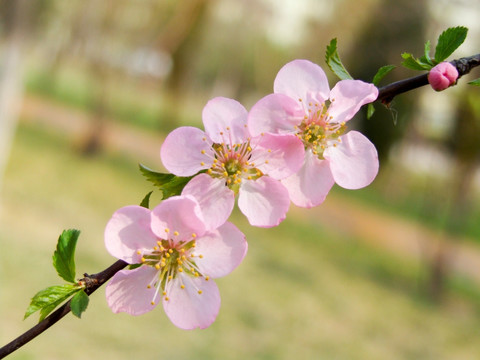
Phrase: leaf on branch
pixel 146 200
pixel 169 184
pixel 63 257
pixel 333 61
pixel 381 73
pixel 79 303
pixel 370 111
pixel 48 299
pixel 475 82
pixel 415 64
pixel 449 41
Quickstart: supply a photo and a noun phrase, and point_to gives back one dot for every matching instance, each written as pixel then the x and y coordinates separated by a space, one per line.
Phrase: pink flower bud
pixel 442 76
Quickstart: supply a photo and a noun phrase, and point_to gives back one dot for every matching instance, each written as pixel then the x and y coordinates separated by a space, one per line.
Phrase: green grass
pixel 302 292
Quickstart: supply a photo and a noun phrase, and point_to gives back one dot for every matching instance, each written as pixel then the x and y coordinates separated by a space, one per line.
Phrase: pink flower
pixel 178 259
pixel 233 162
pixel 442 76
pixel 304 105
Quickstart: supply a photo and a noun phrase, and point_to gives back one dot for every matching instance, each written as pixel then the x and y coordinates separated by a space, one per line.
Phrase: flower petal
pixel 127 231
pixel 128 291
pixel 302 79
pixel 222 250
pixel 187 308
pixel 354 162
pixel 225 121
pixel 215 199
pixel 311 184
pixel 180 214
pixel 184 151
pixel 275 113
pixel 264 201
pixel 279 156
pixel 348 96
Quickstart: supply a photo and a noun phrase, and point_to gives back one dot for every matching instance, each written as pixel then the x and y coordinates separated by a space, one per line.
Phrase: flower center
pixel 170 258
pixel 231 162
pixel 317 131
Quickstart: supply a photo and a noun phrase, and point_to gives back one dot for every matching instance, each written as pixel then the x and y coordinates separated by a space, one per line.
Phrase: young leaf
pixel 169 184
pixel 449 41
pixel 370 110
pixel 384 70
pixel 63 257
pixel 79 303
pixel 333 61
pixel 475 82
pixel 48 299
pixel 414 64
pixel 426 55
pixel 146 200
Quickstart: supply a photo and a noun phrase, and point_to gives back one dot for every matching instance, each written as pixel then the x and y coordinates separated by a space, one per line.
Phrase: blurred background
pixel 88 89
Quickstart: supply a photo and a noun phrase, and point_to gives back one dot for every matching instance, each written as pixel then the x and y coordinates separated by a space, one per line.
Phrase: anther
pixel 199 292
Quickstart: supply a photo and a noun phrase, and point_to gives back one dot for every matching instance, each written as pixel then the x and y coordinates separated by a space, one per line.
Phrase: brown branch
pixel 388 92
pixel 92 283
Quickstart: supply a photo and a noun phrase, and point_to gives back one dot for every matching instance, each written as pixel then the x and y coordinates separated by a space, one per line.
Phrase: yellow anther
pixel 180 262
pixel 155 248
pixel 335 145
pixel 229 181
pixel 209 171
pixel 262 134
pixel 207 278
pixel 182 286
pixel 202 163
pixel 249 148
pixel 167 255
pixel 182 250
pixel 309 104
pixel 203 151
pixel 204 138
pixel 152 302
pixel 200 256
pixel 167 230
pixel 199 292
pixel 170 277
pixel 225 173
pixel 197 274
pixel 249 178
pixel 194 244
pixel 300 100
pixel 149 286
pixel 180 270
pixel 194 235
pixel 228 128
pixel 269 150
pixel 221 133
pixel 184 257
pixel 157 266
pixel 167 298
pixel 176 234
pixel 171 250
pixel 142 259
pixel 164 293
pixel 215 161
pixel 266 161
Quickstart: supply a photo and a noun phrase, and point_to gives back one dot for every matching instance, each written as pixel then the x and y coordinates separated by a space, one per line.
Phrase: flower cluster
pixel 292 146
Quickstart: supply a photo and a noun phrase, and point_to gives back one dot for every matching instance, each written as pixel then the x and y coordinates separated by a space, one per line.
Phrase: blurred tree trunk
pixel 11 72
pixel 180 38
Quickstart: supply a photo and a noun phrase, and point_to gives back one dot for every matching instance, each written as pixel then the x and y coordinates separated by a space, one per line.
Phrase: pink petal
pixel 279 156
pixel 225 121
pixel 309 186
pixel 348 96
pixel 354 162
pixel 128 291
pixel 186 308
pixel 180 214
pixel 222 250
pixel 275 113
pixel 128 231
pixel 215 199
pixel 302 79
pixel 181 152
pixel 264 201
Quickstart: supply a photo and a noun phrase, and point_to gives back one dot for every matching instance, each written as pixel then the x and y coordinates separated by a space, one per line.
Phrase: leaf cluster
pixel 50 298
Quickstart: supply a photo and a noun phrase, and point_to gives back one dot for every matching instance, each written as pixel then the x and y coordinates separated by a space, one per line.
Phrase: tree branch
pixel 92 283
pixel 388 92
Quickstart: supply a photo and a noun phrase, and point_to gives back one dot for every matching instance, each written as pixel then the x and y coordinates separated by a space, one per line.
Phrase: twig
pixel 388 92
pixel 92 282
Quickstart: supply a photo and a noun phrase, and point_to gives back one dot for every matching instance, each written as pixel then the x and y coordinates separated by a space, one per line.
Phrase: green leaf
pixel 384 70
pixel 79 303
pixel 48 299
pixel 411 63
pixel 169 184
pixel 333 61
pixel 370 110
pixel 449 41
pixel 63 257
pixel 146 200
pixel 426 55
pixel 475 82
